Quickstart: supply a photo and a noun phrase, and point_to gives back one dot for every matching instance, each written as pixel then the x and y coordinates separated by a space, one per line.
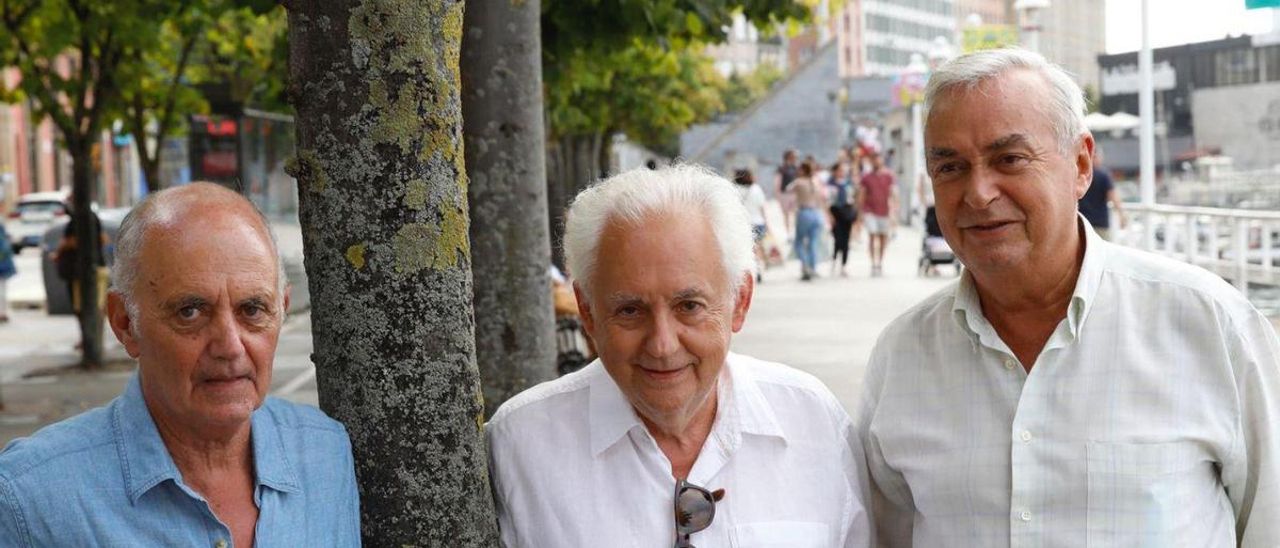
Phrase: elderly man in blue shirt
pixel 193 453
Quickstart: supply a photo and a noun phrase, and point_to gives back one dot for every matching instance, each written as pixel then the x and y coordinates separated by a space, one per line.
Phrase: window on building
pixel 1271 62
pixel 1236 66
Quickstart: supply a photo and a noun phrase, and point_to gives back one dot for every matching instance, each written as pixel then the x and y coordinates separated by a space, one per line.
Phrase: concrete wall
pixel 800 113
pixel 1243 120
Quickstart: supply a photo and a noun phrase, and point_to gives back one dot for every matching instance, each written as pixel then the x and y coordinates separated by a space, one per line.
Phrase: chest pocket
pixel 779 534
pixel 1148 494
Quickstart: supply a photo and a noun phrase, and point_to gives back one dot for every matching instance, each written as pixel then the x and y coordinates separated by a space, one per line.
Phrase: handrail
pixel 1234 243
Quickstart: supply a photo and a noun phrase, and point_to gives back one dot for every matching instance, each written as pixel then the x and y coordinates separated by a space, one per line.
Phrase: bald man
pixel 193 453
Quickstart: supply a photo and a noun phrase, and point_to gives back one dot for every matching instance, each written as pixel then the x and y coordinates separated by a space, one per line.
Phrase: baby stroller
pixel 934 250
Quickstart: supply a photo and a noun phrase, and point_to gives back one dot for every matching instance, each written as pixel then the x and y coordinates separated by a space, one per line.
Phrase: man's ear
pixel 743 302
pixel 584 310
pixel 121 324
pixel 1084 165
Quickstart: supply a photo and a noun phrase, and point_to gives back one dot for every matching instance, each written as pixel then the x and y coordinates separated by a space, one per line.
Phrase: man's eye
pixel 253 311
pixel 690 306
pixel 189 312
pixel 629 311
pixel 1013 160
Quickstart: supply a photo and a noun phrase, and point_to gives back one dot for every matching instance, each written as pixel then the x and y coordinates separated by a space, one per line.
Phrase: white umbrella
pixel 1099 122
pixel 1124 120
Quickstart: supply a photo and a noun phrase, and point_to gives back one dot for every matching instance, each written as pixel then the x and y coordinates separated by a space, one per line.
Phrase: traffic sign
pixel 1256 4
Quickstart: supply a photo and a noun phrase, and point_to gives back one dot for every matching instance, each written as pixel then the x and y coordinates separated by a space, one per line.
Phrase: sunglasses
pixel 695 507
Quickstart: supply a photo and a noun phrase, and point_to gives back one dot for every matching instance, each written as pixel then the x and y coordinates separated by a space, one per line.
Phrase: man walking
pixel 878 203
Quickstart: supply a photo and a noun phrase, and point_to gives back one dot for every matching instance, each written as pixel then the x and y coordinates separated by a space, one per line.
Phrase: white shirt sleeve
pixel 892 508
pixel 1250 474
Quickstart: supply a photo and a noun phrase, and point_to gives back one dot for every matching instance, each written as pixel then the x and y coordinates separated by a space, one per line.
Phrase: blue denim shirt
pixel 105 478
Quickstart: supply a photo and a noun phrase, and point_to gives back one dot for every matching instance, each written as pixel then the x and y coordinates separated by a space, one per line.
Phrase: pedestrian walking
pixel 809 201
pixel 66 257
pixel 754 200
pixel 840 192
pixel 787 173
pixel 7 270
pixel 878 204
pixel 1093 205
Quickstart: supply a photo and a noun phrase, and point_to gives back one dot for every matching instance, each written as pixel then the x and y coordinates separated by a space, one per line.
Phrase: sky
pixel 1176 22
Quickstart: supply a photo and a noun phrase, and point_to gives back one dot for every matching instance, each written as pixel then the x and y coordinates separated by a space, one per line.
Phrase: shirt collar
pixel 741 407
pixel 147 463
pixel 967 308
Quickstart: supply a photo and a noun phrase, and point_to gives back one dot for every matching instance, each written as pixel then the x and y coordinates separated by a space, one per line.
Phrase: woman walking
pixel 843 214
pixel 754 199
pixel 809 201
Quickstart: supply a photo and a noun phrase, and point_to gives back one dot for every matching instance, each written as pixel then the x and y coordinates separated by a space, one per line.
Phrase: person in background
pixel 810 202
pixel 7 270
pixel 1093 205
pixel 787 172
pixel 754 200
pixel 877 205
pixel 840 193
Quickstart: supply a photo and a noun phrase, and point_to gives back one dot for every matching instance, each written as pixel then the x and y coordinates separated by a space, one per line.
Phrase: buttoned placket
pixel 1027 435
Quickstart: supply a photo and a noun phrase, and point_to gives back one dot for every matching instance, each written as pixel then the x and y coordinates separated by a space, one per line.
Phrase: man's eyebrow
pixel 184 301
pixel 255 300
pixel 617 299
pixel 941 152
pixel 689 293
pixel 1007 141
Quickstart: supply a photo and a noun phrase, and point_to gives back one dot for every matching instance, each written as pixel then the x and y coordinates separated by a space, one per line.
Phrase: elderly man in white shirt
pixel 668 438
pixel 1066 391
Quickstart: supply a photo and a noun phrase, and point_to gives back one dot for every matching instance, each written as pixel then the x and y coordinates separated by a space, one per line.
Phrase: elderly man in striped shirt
pixel 1065 391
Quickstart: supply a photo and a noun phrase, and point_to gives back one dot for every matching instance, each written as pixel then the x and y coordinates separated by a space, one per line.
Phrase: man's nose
pixel 663 339
pixel 981 189
pixel 224 337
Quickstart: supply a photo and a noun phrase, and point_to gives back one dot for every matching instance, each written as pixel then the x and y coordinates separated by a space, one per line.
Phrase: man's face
pixel 661 312
pixel 1005 193
pixel 209 316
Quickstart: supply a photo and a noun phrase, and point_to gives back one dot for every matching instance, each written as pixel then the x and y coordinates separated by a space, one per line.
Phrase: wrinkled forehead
pixel 207 250
pixel 1015 101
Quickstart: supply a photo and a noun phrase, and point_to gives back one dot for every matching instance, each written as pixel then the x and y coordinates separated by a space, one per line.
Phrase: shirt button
pixel 1026 516
pixel 1008 363
pixel 220 544
pixel 1026 436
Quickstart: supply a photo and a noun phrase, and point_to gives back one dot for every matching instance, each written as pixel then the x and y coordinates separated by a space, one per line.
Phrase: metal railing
pixel 1237 244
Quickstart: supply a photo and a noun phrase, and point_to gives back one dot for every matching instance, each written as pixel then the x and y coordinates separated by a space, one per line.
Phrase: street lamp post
pixel 1146 134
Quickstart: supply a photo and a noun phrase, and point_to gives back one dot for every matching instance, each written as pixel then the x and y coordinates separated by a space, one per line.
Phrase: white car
pixel 34 214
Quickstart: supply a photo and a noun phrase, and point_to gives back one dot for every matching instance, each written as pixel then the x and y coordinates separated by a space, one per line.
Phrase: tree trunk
pixel 383 207
pixel 89 251
pixel 576 161
pixel 502 125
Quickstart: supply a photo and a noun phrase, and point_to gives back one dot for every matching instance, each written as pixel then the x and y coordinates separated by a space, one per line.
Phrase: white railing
pixel 1237 244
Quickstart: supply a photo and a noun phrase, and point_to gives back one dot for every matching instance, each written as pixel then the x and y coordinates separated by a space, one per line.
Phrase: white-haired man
pixel 1065 391
pixel 190 454
pixel 668 430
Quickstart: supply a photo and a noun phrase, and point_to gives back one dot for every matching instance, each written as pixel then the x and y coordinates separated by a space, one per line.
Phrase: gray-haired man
pixel 668 429
pixel 1066 391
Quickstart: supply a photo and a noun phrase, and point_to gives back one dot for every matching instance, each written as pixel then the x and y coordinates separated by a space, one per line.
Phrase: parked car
pixel 32 216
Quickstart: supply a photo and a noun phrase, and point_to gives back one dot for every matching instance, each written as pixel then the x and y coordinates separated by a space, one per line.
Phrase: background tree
pixel 383 204
pixel 237 43
pixel 502 125
pixel 578 34
pixel 70 54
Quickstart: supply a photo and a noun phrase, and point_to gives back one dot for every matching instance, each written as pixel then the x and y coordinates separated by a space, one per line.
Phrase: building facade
pixel 1221 96
pixel 877 37
pixel 1073 35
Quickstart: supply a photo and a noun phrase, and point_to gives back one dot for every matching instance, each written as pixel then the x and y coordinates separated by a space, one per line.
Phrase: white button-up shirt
pixel 572 465
pixel 1148 419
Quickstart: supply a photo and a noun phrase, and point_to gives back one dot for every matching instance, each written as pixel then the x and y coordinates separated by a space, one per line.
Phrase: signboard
pixel 982 37
pixel 1256 4
pixel 1124 79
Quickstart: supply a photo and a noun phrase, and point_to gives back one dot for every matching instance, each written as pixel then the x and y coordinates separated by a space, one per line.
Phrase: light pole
pixel 1030 10
pixel 1146 133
